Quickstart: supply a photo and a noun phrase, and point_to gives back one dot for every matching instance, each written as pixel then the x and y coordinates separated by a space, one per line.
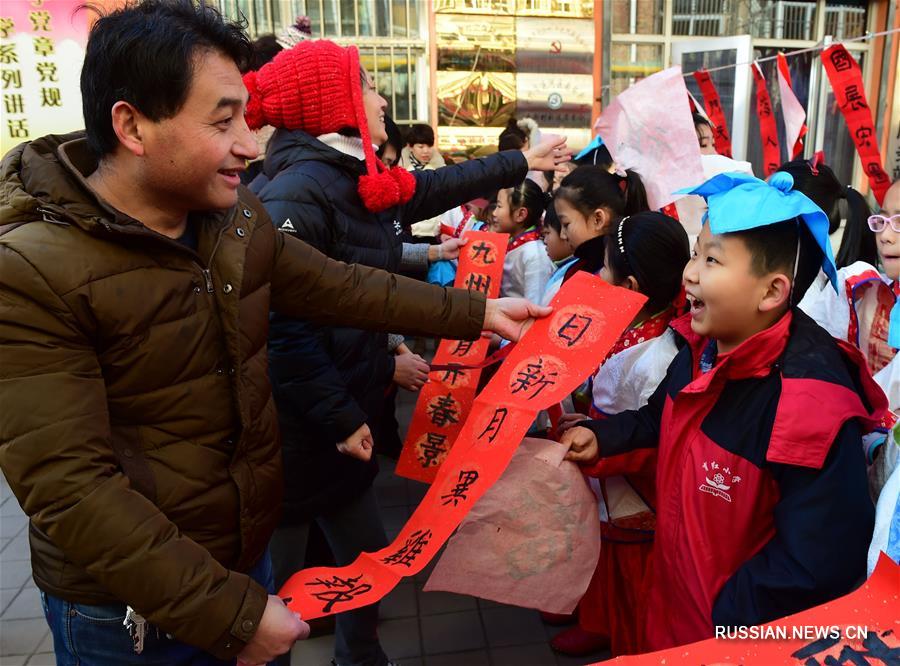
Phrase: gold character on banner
pixel 40 20
pixel 8 55
pixel 18 129
pixel 13 103
pixel 11 78
pixel 50 97
pixel 43 46
pixel 7 25
pixel 47 71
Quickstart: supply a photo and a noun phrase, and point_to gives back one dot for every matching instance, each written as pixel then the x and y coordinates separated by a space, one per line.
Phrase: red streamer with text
pixel 445 401
pixel 846 81
pixel 550 361
pixel 713 106
pixel 785 73
pixel 768 130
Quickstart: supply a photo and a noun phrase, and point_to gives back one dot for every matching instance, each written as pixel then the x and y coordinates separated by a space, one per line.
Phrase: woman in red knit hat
pixel 323 183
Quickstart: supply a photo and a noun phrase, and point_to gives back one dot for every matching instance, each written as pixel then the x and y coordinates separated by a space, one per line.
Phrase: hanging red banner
pixel 847 83
pixel 713 106
pixel 551 360
pixel 791 109
pixel 862 627
pixel 446 400
pixel 768 130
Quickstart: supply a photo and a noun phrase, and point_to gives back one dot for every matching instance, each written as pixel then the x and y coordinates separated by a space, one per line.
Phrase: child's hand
pixel 583 446
pixel 566 421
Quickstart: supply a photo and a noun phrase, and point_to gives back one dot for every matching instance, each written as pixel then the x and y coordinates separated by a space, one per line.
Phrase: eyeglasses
pixel 877 223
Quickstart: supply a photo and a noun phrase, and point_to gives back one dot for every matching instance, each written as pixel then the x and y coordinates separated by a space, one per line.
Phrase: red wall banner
pixel 847 83
pixel 768 130
pixel 791 110
pixel 446 400
pixel 713 106
pixel 547 364
pixel 860 628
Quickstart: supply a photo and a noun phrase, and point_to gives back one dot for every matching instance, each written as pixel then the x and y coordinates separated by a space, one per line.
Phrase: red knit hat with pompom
pixel 306 88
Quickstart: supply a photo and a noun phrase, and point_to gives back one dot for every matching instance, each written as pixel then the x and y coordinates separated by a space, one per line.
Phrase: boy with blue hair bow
pixel 762 505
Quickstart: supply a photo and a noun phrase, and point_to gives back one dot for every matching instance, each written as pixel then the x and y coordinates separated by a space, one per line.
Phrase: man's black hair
pixel 420 133
pixel 265 48
pixel 145 54
pixel 773 248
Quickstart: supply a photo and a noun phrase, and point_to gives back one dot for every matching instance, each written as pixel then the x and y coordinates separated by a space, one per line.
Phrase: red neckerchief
pixel 467 215
pixel 521 239
pixel 646 330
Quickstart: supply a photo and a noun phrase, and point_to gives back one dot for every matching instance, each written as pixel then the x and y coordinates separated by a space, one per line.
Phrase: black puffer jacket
pixel 327 382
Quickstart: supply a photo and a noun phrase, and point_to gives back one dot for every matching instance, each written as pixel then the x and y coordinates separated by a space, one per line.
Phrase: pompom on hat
pixel 306 88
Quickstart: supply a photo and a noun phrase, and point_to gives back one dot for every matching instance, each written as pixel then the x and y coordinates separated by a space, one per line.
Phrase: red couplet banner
pixel 446 400
pixel 860 628
pixel 713 106
pixel 548 363
pixel 847 83
pixel 768 130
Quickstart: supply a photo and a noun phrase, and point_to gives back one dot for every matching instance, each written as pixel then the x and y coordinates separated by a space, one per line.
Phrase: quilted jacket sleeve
pixel 56 453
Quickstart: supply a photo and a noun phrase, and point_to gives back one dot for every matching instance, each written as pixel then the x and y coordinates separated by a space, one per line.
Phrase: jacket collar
pixel 289 147
pixel 754 357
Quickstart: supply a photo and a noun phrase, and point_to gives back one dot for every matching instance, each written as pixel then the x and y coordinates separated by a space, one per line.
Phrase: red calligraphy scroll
pixel 713 106
pixel 862 627
pixel 846 81
pixel 445 401
pixel 768 130
pixel 791 109
pixel 550 361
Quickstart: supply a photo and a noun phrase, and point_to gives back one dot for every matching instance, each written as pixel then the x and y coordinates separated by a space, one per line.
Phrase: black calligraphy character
pixel 714 105
pixel 863 134
pixel 462 347
pixel 874 170
pixel 574 328
pixel 431 448
pixel 40 20
pixel 493 428
pixel 339 590
pixel 458 494
pixel 451 374
pixel 841 60
pixel 444 410
pixel 855 99
pixel 533 376
pixel 875 648
pixel 410 550
pixel 770 141
pixel 479 282
pixel 764 109
pixel 482 249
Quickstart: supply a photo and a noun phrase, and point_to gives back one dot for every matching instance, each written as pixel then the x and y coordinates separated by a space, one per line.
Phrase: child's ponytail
pixel 858 242
pixel 591 187
pixel 532 198
pixel 635 194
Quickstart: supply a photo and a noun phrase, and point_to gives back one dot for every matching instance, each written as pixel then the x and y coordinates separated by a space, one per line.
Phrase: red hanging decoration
pixel 791 109
pixel 847 83
pixel 713 106
pixel 768 130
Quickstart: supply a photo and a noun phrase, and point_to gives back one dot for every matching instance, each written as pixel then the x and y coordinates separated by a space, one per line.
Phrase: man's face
pixel 723 290
pixel 422 152
pixel 193 160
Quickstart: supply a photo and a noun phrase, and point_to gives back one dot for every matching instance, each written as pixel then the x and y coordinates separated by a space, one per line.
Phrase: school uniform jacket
pixel 762 507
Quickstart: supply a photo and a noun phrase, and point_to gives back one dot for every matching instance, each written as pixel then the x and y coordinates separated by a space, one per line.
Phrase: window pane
pixel 632 62
pixel 780 19
pixel 637 17
pixel 845 19
pixel 724 79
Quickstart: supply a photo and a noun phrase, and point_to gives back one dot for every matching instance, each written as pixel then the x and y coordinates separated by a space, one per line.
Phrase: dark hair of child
pixel 826 191
pixel 265 48
pixel 394 138
pixel 512 137
pixel 420 133
pixel 551 219
pixel 699 120
pixel 530 196
pixel 654 249
pixel 591 187
pixel 773 248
